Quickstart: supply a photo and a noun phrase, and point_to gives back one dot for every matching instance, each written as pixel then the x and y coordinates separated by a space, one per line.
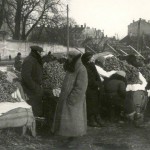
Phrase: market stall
pixel 14 111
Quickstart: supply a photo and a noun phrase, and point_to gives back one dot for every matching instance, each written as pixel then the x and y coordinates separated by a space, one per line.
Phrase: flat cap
pixel 36 48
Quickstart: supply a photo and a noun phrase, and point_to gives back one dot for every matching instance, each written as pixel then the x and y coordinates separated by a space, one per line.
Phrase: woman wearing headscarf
pixel 115 89
pixel 70 117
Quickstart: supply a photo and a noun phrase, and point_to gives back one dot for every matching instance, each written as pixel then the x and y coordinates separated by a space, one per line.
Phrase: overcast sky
pixel 112 16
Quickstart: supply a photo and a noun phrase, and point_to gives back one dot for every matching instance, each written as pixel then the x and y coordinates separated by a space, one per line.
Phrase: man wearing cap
pixel 31 74
pixel 70 117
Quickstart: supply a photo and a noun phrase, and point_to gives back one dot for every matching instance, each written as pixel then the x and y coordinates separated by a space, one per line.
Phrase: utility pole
pixel 138 35
pixel 67 29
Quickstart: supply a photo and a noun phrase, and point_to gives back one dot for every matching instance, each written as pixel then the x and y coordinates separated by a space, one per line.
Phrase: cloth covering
pixel 8 106
pixel 18 117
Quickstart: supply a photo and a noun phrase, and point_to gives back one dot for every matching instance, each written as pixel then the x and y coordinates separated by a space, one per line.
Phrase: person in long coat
pixel 70 118
pixel 31 74
pixel 93 92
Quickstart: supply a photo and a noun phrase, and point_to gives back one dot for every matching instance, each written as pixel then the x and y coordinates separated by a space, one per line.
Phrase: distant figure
pixel 48 58
pixel 18 62
pixel 9 57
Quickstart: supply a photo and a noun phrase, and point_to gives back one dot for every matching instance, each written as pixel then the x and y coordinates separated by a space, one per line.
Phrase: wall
pixel 13 47
pixel 144 28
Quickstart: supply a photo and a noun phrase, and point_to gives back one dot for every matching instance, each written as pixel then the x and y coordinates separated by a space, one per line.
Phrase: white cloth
pixel 7 106
pixel 17 95
pixel 148 91
pixel 11 76
pixel 104 73
pixel 3 69
pixel 109 56
pixel 136 87
pixel 56 92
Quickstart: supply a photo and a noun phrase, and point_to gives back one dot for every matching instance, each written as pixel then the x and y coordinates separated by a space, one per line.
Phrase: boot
pixel 99 120
pixel 92 122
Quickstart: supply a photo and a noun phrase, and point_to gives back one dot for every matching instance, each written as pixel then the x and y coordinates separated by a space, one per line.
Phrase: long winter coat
pixel 70 118
pixel 32 75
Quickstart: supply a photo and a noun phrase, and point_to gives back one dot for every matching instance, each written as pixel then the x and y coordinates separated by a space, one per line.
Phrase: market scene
pixel 64 85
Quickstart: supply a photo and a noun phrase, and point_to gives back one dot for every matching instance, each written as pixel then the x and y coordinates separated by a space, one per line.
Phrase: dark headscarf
pixel 35 54
pixel 70 66
pixel 86 57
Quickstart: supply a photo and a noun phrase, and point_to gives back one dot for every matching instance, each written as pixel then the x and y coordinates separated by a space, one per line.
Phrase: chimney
pixel 81 26
pixel 84 25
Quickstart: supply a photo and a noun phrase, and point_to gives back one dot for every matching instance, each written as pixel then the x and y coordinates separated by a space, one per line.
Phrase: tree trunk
pixel 23 36
pixel 2 7
pixel 18 20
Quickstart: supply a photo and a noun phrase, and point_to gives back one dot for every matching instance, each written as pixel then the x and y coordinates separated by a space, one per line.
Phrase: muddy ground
pixel 111 137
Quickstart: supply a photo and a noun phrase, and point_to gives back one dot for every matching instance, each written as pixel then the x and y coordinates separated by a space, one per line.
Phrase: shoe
pixel 93 124
pixel 99 121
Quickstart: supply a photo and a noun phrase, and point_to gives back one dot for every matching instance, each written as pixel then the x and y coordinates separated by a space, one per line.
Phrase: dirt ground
pixel 111 137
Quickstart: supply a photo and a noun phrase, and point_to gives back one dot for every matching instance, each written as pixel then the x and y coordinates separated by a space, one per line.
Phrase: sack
pixel 19 117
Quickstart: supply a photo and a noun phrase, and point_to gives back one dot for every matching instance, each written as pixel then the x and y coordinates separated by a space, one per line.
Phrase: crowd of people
pixel 88 96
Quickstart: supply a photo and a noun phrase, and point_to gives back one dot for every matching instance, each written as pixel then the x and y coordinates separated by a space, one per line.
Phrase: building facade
pixel 140 27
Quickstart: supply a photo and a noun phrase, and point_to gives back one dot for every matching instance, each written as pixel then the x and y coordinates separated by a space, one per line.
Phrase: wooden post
pixel 123 52
pixel 138 35
pixel 67 29
pixel 136 51
pixel 113 49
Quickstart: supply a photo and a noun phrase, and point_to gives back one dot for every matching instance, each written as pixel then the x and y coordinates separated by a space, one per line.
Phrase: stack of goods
pixel 6 89
pixel 53 75
pixel 132 73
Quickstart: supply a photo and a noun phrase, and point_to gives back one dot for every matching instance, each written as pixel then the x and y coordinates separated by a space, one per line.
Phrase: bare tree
pixel 22 16
pixel 2 6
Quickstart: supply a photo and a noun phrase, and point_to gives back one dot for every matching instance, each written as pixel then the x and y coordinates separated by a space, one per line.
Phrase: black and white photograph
pixel 74 75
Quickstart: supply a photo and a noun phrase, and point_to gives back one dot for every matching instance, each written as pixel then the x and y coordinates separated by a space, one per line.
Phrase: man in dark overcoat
pixel 31 74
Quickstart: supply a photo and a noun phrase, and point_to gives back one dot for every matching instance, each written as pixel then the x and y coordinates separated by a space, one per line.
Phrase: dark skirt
pixel 136 101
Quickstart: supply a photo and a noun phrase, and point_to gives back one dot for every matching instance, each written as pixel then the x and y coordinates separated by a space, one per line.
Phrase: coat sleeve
pixel 27 78
pixel 80 87
pixel 92 83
